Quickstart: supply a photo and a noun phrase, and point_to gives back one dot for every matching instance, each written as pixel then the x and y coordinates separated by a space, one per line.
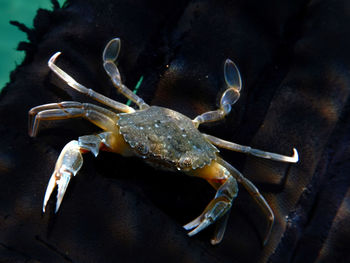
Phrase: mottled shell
pixel 166 137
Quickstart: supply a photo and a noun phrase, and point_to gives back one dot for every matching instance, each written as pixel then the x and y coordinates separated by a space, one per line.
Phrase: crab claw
pixel 215 210
pixel 68 164
pixel 61 179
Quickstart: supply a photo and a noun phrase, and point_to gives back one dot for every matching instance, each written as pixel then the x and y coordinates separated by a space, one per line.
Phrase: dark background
pixel 295 63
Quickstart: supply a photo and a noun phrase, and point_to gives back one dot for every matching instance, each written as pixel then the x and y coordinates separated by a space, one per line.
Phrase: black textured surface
pixel 294 59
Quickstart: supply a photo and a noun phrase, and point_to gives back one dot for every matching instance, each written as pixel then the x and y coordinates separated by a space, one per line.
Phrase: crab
pixel 163 137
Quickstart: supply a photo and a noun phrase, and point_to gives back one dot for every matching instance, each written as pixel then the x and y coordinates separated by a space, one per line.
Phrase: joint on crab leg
pixel 110 55
pixel 101 117
pixel 53 111
pixel 229 97
pixel 217 210
pixel 82 89
pixel 70 161
pixel 249 150
pixel 34 118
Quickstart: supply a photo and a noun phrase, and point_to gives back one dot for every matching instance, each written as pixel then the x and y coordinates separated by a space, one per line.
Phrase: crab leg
pixel 217 210
pixel 82 89
pixel 224 177
pixel 248 150
pixel 229 97
pixel 110 55
pixel 101 117
pixel 254 192
pixel 70 161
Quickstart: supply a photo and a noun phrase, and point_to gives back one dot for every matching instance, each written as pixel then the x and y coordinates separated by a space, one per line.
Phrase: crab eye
pixel 142 148
pixel 185 162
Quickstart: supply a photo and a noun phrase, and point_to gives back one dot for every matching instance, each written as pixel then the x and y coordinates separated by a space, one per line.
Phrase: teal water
pixel 24 12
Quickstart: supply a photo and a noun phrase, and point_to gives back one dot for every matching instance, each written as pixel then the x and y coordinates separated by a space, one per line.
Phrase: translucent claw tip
pixel 193 223
pixel 295 155
pixel 58 204
pixel 50 187
pixel 62 185
pixel 54 57
pixel 189 226
pixel 200 227
pixel 215 241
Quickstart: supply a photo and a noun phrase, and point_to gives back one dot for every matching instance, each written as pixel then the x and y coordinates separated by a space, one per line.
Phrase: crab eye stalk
pixel 109 57
pixel 229 97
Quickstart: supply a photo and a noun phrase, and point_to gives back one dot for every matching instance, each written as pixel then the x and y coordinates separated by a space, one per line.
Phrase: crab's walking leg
pixel 110 55
pixel 71 160
pixel 254 192
pixel 102 117
pixel 248 150
pixel 82 89
pixel 229 97
pixel 217 209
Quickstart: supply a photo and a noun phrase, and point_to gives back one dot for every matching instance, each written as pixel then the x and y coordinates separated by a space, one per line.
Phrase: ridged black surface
pixel 295 63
